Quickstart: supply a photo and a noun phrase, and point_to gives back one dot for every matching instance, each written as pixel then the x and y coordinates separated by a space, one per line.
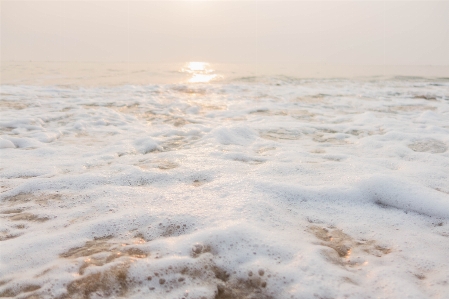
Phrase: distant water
pixel 107 74
pixel 196 180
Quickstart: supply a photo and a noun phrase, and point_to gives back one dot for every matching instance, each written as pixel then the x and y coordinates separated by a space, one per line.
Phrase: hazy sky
pixel 316 32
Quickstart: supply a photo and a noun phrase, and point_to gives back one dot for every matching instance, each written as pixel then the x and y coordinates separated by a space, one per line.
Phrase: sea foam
pixel 327 188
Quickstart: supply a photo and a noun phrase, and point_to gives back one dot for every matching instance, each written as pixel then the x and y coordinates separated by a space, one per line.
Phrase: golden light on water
pixel 200 72
pixel 201 78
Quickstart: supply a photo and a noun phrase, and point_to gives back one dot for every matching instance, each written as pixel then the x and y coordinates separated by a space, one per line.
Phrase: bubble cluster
pixel 249 188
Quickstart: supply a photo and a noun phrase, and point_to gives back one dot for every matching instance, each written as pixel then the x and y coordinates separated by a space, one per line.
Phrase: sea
pixel 196 180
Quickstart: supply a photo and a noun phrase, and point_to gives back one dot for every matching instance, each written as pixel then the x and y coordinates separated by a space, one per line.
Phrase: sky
pixel 306 32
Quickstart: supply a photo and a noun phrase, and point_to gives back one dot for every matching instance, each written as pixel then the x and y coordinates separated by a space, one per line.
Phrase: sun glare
pixel 202 78
pixel 196 66
pixel 201 72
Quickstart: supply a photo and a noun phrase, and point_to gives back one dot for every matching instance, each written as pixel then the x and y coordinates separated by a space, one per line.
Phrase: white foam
pixel 234 189
pixel 5 143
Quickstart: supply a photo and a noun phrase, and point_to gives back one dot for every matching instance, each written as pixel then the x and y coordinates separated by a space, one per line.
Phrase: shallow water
pixel 273 187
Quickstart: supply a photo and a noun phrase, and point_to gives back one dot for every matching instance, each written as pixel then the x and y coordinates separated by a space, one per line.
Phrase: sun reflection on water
pixel 200 72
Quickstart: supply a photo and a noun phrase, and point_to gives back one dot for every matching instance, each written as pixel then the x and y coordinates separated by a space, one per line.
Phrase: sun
pixel 201 72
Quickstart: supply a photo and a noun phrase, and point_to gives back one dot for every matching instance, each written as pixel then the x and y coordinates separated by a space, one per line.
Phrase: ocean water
pixel 192 183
